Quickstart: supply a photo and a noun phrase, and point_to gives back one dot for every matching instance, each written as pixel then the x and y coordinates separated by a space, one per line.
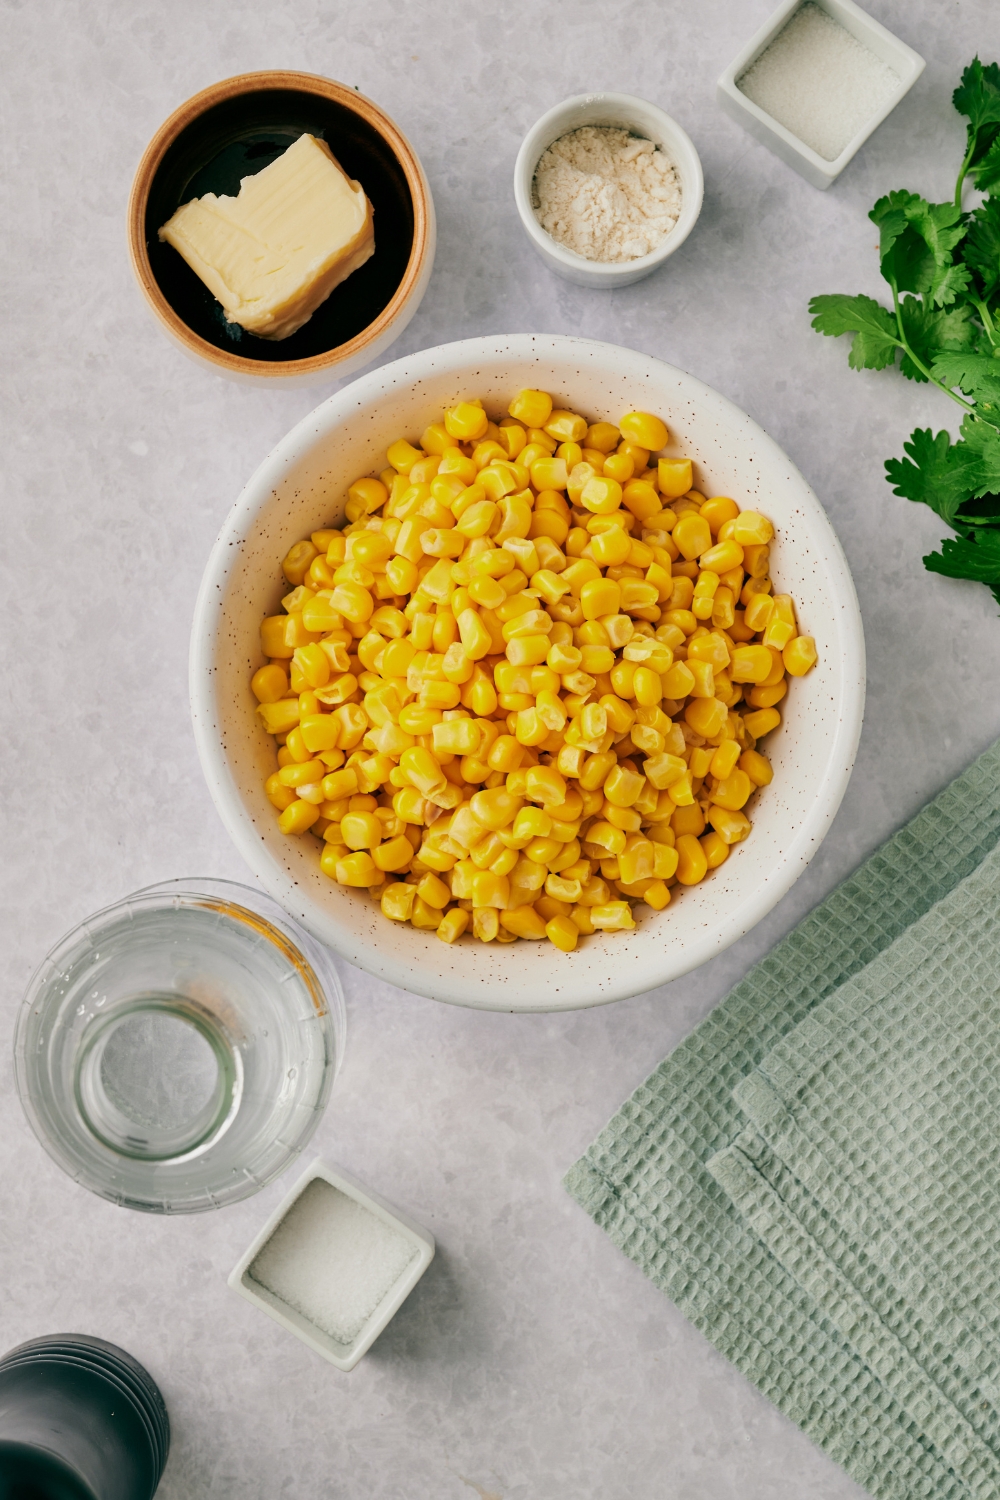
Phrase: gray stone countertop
pixel 533 1360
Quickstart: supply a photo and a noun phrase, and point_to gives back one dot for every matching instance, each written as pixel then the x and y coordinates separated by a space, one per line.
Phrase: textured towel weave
pixel 810 1176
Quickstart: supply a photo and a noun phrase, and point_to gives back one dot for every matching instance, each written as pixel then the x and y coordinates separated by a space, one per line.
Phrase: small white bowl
pixel 816 169
pixel 628 113
pixel 344 1355
pixel 302 486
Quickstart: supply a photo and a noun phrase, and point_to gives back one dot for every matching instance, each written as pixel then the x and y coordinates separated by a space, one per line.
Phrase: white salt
pixel 818 81
pixel 332 1260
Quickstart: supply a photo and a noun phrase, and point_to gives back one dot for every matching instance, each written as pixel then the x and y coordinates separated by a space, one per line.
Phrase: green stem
pixel 964 168
pixel 986 320
pixel 904 344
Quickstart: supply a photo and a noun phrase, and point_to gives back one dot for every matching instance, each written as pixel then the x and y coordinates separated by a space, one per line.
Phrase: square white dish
pixel 345 1353
pixel 816 169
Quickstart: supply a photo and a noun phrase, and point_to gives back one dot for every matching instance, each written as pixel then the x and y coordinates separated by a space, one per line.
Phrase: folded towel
pixel 810 1176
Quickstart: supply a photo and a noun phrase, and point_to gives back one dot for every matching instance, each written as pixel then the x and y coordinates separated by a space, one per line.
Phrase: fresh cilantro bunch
pixel 943 267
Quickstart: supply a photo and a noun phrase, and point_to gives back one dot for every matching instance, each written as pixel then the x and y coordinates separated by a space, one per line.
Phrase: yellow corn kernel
pixel 425 917
pixel 476 639
pixel 527 650
pixel 623 786
pixel 279 717
pixel 752 529
pixel 274 636
pixel 674 476
pixel 636 860
pixel 530 823
pixel 298 816
pixel 485 923
pixel 750 664
pixel 601 495
pixel 401 573
pixel 394 855
pixel 490 889
pixel 340 784
pixel 665 770
pixel 721 558
pixel 466 421
pixel 402 456
pixel 600 596
pixel 647 687
pixel 497 808
pixel 297 560
pixel 733 792
pixel 757 767
pixel 779 632
pixel 758 612
pixel 278 794
pixel 641 499
pixel 545 785
pixel 706 716
pixel 730 826
pixel 687 819
pixel 715 848
pixel 724 759
pixel 565 426
pixel 692 535
pixel 320 732
pixel 302 773
pixel 612 916
pixel 701 759
pixel 692 865
pixel 767 697
pixel 456 737
pixel 563 932
pixel 523 922
pixel 453 924
pixel 718 511
pixel 620 466
pixel 799 655
pixel 645 430
pixel 533 408
pixel 269 684
pixel 657 895
pixel 422 769
pixel 361 830
pixel 434 891
pixel 756 561
pixel 762 721
pixel 665 859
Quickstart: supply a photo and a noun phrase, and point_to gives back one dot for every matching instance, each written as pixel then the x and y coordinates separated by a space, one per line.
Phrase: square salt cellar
pixel 333 1264
pixel 838 129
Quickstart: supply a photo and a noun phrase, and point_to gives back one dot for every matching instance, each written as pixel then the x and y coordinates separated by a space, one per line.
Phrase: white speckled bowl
pixel 302 486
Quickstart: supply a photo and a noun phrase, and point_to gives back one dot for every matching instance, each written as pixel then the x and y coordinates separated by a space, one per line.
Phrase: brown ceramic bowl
pixel 234 129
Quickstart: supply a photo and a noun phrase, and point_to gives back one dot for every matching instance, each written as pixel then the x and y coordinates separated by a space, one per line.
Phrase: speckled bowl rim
pixel 518 977
pixel 394 316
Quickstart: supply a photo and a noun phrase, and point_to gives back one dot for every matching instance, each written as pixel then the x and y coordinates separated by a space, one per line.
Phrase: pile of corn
pixel 521 689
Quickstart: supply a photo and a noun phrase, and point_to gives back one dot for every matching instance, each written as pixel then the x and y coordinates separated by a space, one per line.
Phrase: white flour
pixel 606 194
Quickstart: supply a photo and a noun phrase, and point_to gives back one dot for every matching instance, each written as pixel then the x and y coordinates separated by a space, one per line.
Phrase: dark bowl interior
pixel 241 136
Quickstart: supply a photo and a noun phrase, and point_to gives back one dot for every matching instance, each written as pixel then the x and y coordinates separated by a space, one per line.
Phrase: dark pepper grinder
pixel 79 1420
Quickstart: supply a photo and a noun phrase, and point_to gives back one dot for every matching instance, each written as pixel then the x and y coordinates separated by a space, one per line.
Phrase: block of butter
pixel 273 253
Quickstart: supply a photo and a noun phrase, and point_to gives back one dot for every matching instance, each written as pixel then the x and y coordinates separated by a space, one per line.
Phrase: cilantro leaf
pixel 987 172
pixel 917 240
pixel 978 98
pixel 982 247
pixel 976 558
pixel 977 375
pixel 937 472
pixel 875 339
pixel 983 439
pixel 930 330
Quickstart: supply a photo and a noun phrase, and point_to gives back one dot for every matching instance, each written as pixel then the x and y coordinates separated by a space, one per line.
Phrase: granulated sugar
pixel 818 81
pixel 332 1260
pixel 606 194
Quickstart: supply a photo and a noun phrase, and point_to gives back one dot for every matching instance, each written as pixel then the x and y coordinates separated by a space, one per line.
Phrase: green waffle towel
pixel 813 1176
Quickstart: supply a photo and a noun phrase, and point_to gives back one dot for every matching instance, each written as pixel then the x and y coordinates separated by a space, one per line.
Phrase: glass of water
pixel 175 1051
